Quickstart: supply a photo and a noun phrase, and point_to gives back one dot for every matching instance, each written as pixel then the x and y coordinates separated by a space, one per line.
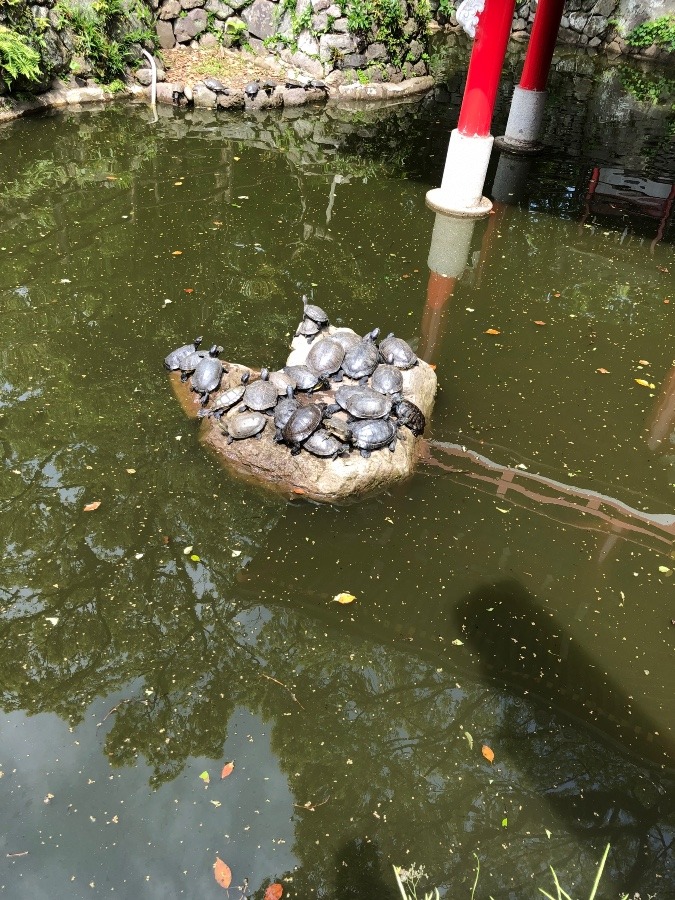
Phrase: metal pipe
pixel 153 87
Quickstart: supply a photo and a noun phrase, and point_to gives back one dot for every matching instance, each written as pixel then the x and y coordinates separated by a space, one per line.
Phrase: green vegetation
pixel 660 32
pixel 647 87
pixel 100 38
pixel 408 880
pixel 17 58
pixel 384 20
pixel 447 8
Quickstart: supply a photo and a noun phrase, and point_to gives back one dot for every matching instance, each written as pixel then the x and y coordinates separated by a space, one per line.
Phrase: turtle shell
pixel 346 337
pixel 216 86
pixel 228 398
pixel 308 328
pixel 190 361
pixel 302 423
pixel 397 352
pixel 372 434
pixel 325 357
pixel 362 359
pixel 281 381
pixel 244 425
pixel 284 410
pixel 208 375
pixel 302 377
pixel 251 89
pixel 172 361
pixel 321 443
pixel 315 313
pixel 260 395
pixel 411 415
pixel 387 380
pixel 364 403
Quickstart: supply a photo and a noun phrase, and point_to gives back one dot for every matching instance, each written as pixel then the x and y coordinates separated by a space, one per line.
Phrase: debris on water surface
pixel 488 753
pixel 344 597
pixel 228 769
pixel 222 873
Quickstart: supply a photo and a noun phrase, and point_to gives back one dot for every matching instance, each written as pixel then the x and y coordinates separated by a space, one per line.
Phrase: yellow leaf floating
pixel 344 597
pixel 205 777
pixel 644 383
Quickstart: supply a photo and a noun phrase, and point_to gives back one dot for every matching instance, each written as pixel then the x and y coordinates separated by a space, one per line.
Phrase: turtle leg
pixel 392 446
pixel 258 436
pixel 295 450
pixel 204 399
pixel 184 377
pixel 203 413
pixel 330 409
pixel 230 439
pixel 339 375
pixel 243 408
pixel 278 437
pixel 365 454
pixel 363 381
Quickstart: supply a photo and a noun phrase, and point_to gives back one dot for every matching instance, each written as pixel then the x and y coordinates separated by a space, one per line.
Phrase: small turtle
pixel 268 86
pixel 409 414
pixel 362 360
pixel 172 361
pixel 362 403
pixel 251 90
pixel 189 363
pixel 387 380
pixel 207 375
pixel 338 427
pixel 303 378
pixel 346 337
pixel 216 86
pixel 244 425
pixel 373 434
pixel 396 352
pixel 223 402
pixel 318 84
pixel 281 381
pixel 315 313
pixel 303 422
pixel 260 395
pixel 308 328
pixel 321 443
pixel 325 359
pixel 282 413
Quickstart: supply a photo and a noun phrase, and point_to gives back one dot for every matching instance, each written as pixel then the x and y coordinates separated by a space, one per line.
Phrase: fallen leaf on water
pixel 505 822
pixel 90 507
pixel 222 873
pixel 131 471
pixel 602 371
pixel 188 290
pixel 274 892
pixel 548 833
pixel 458 643
pixel 667 300
pixel 502 510
pixel 344 597
pixel 177 183
pixel 215 803
pixel 176 252
pixel 663 269
pixel 469 739
pixel 111 177
pixel 188 550
pixel 228 769
pixel 53 620
pixel 644 383
pixel 194 557
pixel 487 753
pixel 643 362
pixel 539 322
pixel 205 777
pixel 492 331
pixel 665 570
pixel 166 539
pixel 236 553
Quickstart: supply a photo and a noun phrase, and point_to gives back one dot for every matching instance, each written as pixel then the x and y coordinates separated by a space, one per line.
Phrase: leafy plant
pixel 563 895
pixel 659 31
pixel 447 8
pixel 408 881
pixel 17 58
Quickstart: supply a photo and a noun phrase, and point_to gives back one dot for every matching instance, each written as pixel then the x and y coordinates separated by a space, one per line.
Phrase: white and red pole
pixel 529 97
pixel 461 190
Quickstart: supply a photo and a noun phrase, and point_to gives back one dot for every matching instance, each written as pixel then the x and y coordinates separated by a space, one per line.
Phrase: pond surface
pixel 515 595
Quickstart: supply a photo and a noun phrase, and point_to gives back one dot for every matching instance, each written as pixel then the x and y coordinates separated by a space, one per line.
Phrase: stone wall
pixel 315 36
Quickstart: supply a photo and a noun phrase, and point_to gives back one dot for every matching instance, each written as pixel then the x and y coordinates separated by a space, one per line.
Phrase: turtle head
pixel 197 341
pixel 304 301
pixel 215 350
pixel 289 391
pixel 245 377
pixel 264 374
pixel 373 335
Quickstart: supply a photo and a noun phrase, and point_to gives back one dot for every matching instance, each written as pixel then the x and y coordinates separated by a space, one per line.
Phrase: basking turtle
pixel 282 413
pixel 397 352
pixel 325 359
pixel 361 403
pixel 409 414
pixel 373 434
pixel 281 381
pixel 303 422
pixel 362 360
pixel 315 313
pixel 318 84
pixel 346 337
pixel 338 427
pixel 224 401
pixel 216 86
pixel 321 443
pixel 268 86
pixel 207 375
pixel 303 378
pixel 244 425
pixel 188 363
pixel 387 380
pixel 172 361
pixel 260 395
pixel 308 328
pixel 251 90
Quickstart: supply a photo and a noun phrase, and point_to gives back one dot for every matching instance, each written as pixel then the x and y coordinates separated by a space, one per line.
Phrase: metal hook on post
pixel 153 87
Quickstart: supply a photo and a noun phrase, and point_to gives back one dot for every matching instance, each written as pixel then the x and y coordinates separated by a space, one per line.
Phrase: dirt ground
pixel 235 68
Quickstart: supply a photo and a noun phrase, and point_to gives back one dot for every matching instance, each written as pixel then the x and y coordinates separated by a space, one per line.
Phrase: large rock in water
pixel 328 480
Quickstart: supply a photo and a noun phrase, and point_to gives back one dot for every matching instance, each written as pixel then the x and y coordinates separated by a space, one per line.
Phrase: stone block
pixel 203 97
pixel 376 51
pixel 208 40
pixel 219 9
pixel 170 9
pixel 166 91
pixel 191 4
pixel 353 61
pixel 320 5
pixel 415 51
pixel 295 97
pixel 259 18
pixel 320 22
pixel 143 76
pixel 307 43
pixel 341 26
pixel 165 35
pixel 334 11
pixel 233 100
pixel 199 17
pixel 410 28
pixel 604 8
pixel 331 43
pixel 185 30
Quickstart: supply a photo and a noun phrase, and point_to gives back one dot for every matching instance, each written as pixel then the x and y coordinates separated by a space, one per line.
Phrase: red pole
pixel 485 67
pixel 542 44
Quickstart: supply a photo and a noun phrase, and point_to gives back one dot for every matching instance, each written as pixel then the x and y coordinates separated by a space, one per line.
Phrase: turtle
pixel 301 81
pixel 325 359
pixel 303 422
pixel 303 378
pixel 308 328
pixel 315 313
pixel 321 443
pixel 363 358
pixel 409 414
pixel 188 363
pixel 260 395
pixel 216 86
pixel 268 86
pixel 223 402
pixel 387 380
pixel 346 337
pixel 362 403
pixel 244 425
pixel 318 84
pixel 373 434
pixel 281 381
pixel 338 427
pixel 396 352
pixel 172 361
pixel 251 90
pixel 283 411
pixel 208 374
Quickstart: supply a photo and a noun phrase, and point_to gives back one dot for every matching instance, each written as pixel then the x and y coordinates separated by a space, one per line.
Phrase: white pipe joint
pixel 450 245
pixel 525 117
pixel 461 190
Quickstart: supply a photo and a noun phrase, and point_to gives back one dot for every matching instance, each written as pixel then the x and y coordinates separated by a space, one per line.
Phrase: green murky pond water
pixel 515 594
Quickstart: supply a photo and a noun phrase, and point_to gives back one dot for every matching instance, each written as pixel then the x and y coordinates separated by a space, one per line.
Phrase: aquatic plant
pixel 17 58
pixel 408 881
pixel 659 31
